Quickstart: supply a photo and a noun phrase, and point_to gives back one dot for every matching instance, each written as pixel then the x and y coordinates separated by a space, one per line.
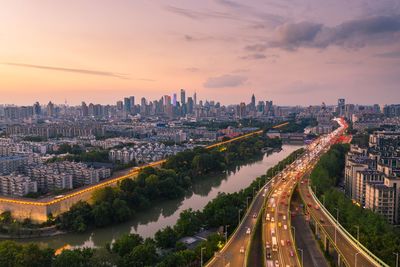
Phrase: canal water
pixel 166 213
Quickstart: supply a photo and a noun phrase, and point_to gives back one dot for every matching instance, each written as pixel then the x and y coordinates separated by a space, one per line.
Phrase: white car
pixel 242 249
pixel 272 219
pixel 276 263
pixel 285 226
pixel 248 231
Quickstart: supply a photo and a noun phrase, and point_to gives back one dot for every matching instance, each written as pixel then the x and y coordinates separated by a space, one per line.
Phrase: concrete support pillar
pixel 326 244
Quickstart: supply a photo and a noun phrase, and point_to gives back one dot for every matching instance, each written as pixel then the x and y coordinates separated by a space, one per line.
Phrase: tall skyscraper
pixel 85 110
pixel 195 99
pixel 190 105
pixel 174 100
pixel 50 109
pixel 127 104
pixel 37 110
pixel 183 97
pixel 341 106
pixel 132 102
pixel 253 102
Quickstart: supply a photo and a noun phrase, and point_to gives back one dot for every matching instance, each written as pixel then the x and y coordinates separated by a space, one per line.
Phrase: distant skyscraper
pixel 190 104
pixel 174 100
pixel 253 102
pixel 85 110
pixel 132 102
pixel 37 110
pixel 195 99
pixel 50 109
pixel 183 97
pixel 341 106
pixel 120 105
pixel 127 104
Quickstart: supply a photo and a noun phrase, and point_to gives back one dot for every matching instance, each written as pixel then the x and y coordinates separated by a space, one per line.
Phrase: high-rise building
pixel 253 102
pixel 341 107
pixel 183 97
pixel 174 100
pixel 85 110
pixel 190 105
pixel 195 99
pixel 37 110
pixel 132 103
pixel 127 104
pixel 50 109
pixel 120 105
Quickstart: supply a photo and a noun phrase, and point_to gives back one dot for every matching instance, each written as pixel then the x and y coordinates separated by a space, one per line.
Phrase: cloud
pixel 80 71
pixel 199 15
pixel 392 54
pixel 350 34
pixel 256 47
pixel 254 56
pixel 226 80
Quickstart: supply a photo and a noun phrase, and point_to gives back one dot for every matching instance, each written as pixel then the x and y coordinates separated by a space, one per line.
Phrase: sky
pixel 294 52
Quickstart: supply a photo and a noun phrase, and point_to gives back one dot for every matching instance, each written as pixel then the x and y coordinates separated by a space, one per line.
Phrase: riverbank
pixel 166 213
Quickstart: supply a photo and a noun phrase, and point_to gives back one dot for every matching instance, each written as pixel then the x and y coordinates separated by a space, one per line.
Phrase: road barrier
pixel 357 244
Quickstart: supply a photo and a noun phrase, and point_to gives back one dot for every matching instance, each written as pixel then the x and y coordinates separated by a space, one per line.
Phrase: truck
pixel 274 244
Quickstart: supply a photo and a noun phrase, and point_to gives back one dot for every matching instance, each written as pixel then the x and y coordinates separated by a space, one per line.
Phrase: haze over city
pixel 295 52
pixel 183 133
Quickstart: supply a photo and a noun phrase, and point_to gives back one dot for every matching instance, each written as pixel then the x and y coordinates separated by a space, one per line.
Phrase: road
pixel 346 248
pixel 352 254
pixel 277 224
pixel 312 253
pixel 230 255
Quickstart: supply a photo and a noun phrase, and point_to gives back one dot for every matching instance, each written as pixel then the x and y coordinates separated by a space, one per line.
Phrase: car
pixel 321 220
pixel 309 205
pixel 302 182
pixel 283 243
pixel 268 255
pixel 308 195
pixel 288 242
pixel 272 219
pixel 242 249
pixel 279 224
pixel 248 231
pixel 291 253
pixel 285 227
pixel 276 263
pixel 263 195
pixel 316 207
pixel 267 245
pixel 255 215
pixel 284 217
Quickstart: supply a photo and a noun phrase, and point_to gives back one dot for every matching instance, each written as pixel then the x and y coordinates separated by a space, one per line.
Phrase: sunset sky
pixel 289 51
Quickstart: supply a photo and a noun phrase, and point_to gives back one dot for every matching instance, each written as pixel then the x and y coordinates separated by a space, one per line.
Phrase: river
pixel 167 212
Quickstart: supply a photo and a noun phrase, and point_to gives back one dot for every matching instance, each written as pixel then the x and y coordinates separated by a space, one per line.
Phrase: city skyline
pixel 292 52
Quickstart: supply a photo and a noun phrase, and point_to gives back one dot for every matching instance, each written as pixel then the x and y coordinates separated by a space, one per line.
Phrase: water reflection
pixel 166 213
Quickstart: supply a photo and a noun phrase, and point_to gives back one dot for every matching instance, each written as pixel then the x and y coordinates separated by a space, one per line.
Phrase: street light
pixel 397 258
pixel 302 260
pixel 226 233
pixel 337 221
pixel 355 259
pixel 358 232
pixel 201 256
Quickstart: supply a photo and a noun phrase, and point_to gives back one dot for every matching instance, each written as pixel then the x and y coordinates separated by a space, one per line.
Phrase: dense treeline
pixel 132 250
pixel 376 233
pixel 118 204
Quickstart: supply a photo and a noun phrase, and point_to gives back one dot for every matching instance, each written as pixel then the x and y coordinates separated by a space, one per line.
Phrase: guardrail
pixel 368 254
